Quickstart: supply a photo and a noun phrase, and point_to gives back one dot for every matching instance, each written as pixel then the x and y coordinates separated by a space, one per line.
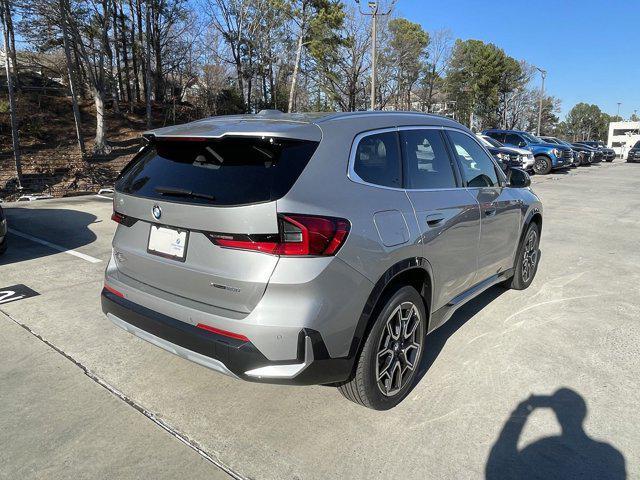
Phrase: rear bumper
pixel 233 357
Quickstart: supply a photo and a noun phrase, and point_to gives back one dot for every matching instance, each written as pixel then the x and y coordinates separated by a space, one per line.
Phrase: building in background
pixel 623 136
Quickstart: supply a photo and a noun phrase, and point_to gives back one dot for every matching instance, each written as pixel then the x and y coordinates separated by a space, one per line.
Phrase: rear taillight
pixel 299 235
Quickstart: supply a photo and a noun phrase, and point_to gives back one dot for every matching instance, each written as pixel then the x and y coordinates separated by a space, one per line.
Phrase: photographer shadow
pixel 570 455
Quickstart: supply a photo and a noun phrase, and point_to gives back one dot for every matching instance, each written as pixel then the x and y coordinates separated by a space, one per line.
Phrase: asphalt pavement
pixel 536 378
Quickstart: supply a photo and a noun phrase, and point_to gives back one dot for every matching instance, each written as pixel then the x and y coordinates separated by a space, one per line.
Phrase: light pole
pixel 543 73
pixel 374 13
pixel 618 115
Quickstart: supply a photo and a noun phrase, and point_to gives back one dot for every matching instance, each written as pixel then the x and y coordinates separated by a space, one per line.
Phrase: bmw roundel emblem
pixel 157 212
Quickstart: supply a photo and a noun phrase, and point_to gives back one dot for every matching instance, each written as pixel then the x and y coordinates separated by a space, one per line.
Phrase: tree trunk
pixel 127 76
pixel 143 54
pixel 98 98
pixel 147 89
pixel 134 55
pixel 82 91
pixel 117 54
pixel 99 85
pixel 12 49
pixel 12 102
pixel 157 51
pixel 112 83
pixel 296 67
pixel 72 88
pixel 250 80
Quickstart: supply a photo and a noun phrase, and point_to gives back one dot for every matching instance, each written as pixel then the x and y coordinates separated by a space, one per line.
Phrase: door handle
pixel 490 212
pixel 435 219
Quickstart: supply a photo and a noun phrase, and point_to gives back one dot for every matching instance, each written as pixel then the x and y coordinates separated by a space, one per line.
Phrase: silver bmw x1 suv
pixel 313 248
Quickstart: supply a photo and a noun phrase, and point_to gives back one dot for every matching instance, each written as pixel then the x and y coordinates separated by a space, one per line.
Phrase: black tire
pixel 524 273
pixel 364 388
pixel 542 165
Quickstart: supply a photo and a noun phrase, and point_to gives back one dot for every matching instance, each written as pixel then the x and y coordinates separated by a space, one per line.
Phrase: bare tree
pixel 5 16
pixel 147 65
pixel 64 13
pixel 93 58
pixel 343 71
pixel 438 54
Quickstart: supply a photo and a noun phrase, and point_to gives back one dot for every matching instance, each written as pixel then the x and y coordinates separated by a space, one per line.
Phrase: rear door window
pixel 513 139
pixel 499 136
pixel 477 167
pixel 229 171
pixel 377 160
pixel 426 162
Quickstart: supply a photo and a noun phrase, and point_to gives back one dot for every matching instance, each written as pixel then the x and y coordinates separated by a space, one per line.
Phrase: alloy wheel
pixel 541 165
pixel 530 256
pixel 399 349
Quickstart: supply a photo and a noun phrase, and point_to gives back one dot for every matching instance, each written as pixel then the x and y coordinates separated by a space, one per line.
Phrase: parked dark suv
pixel 634 153
pixel 608 154
pixel 577 161
pixel 592 154
pixel 314 248
pixel 547 155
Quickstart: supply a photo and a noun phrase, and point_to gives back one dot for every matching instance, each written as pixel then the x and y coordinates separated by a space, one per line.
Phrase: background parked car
pixel 547 155
pixel 608 154
pixel 557 141
pixel 507 158
pixel 525 156
pixel 594 155
pixel 3 232
pixel 634 153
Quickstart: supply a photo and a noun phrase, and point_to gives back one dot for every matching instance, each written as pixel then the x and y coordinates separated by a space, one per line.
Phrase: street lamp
pixel 374 13
pixel 618 115
pixel 543 73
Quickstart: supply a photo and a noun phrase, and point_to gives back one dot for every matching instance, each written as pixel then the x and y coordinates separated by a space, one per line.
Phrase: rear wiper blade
pixel 182 192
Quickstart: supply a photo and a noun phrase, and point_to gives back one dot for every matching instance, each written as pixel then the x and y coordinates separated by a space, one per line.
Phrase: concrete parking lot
pixel 82 399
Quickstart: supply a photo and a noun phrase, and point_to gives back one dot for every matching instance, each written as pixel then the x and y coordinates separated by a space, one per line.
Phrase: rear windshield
pixel 230 171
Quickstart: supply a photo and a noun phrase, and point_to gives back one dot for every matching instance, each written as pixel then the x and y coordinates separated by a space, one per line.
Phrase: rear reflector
pixel 123 219
pixel 117 217
pixel 299 235
pixel 224 333
pixel 113 290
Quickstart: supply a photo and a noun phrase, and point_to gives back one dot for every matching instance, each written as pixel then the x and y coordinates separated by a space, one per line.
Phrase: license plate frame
pixel 163 247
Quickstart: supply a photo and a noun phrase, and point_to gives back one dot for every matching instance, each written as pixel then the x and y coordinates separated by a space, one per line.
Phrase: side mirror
pixel 518 178
pixel 522 144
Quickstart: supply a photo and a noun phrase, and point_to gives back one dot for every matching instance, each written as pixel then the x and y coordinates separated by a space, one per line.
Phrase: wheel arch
pixel 533 215
pixel 416 272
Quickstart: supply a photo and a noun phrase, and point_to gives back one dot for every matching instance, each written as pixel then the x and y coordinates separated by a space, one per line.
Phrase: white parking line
pixel 87 258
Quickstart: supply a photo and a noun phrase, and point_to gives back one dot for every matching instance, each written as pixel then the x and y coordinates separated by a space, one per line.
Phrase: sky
pixel 590 48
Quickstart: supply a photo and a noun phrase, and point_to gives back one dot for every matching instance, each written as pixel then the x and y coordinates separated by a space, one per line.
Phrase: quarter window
pixel 426 161
pixel 377 160
pixel 477 167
